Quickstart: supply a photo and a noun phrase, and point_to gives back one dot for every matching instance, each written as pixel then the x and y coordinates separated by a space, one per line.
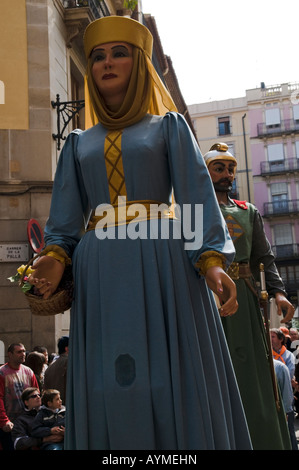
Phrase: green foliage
pixel 130 4
pixel 25 285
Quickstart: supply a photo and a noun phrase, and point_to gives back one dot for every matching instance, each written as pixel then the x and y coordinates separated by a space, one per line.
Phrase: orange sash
pixel 278 356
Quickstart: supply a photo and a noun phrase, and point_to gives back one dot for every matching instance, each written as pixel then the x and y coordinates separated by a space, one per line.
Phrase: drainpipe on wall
pixel 246 161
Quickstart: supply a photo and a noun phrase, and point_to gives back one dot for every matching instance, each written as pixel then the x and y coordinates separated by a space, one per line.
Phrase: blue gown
pixel 149 366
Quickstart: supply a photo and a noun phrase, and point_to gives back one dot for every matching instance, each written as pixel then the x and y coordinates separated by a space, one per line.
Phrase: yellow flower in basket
pixel 25 286
pixel 29 271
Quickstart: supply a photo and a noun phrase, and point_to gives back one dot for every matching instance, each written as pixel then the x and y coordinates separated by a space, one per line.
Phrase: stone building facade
pixel 41 57
pixel 42 68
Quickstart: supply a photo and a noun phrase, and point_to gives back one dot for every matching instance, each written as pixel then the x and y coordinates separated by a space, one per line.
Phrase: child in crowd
pixel 50 419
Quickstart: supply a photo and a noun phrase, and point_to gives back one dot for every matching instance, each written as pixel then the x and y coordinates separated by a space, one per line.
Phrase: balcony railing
pixel 98 8
pixel 287 126
pixel 278 208
pixel 286 251
pixel 279 166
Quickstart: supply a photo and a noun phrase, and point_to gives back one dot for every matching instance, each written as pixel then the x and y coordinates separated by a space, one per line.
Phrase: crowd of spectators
pixel 32 398
pixel 33 391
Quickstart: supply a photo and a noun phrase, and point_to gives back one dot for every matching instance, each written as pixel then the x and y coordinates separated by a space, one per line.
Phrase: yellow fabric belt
pixel 111 215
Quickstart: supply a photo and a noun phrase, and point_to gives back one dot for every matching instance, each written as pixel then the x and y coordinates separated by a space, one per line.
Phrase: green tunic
pixel 245 331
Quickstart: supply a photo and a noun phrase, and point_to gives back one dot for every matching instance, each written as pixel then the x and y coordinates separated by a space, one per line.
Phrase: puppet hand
pixel 47 275
pixel 223 286
pixel 283 304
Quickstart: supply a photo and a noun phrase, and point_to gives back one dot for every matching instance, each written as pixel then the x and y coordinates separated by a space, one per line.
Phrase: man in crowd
pixel 14 378
pixel 285 386
pixel 280 351
pixel 55 375
pixel 22 430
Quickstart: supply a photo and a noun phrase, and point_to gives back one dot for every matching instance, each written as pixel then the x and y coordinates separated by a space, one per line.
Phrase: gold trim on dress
pixel 114 165
pixel 111 215
pixel 209 259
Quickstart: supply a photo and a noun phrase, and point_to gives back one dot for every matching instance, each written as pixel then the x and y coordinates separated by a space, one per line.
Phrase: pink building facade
pixel 273 116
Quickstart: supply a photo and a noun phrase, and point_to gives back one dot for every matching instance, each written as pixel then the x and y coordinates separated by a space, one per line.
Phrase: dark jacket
pixel 21 432
pixel 55 375
pixel 47 419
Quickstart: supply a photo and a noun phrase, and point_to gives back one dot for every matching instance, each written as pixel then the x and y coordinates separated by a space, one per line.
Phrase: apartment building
pixel 227 121
pixel 262 131
pixel 273 113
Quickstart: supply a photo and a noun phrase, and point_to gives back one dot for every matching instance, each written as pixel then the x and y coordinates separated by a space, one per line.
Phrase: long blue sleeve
pixel 192 186
pixel 69 206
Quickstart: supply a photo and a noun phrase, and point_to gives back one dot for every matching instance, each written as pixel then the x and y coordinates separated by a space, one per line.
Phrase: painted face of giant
pixel 112 65
pixel 222 173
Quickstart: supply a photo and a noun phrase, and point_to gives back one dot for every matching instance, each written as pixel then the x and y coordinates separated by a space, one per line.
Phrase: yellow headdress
pixel 146 92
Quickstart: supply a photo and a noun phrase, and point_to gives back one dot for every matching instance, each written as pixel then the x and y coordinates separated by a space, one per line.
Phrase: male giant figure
pixel 245 331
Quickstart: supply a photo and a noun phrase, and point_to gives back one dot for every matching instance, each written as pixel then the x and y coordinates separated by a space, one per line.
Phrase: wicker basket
pixel 59 302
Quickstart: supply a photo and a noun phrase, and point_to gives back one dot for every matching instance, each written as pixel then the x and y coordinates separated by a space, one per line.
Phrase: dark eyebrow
pixel 99 49
pixel 217 162
pixel 94 52
pixel 120 45
pixel 114 47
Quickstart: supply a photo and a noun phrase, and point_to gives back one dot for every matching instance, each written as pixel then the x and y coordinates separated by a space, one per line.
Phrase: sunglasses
pixel 34 396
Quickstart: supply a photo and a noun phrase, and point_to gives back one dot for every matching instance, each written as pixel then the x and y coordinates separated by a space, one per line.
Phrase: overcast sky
pixel 220 48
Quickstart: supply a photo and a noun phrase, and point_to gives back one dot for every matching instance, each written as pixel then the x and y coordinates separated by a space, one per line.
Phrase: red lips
pixel 107 76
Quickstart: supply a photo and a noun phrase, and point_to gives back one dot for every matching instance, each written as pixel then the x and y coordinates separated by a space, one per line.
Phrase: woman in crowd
pixel 36 361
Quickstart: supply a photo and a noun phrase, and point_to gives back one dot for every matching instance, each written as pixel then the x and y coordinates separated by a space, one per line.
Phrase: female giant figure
pixel 149 366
